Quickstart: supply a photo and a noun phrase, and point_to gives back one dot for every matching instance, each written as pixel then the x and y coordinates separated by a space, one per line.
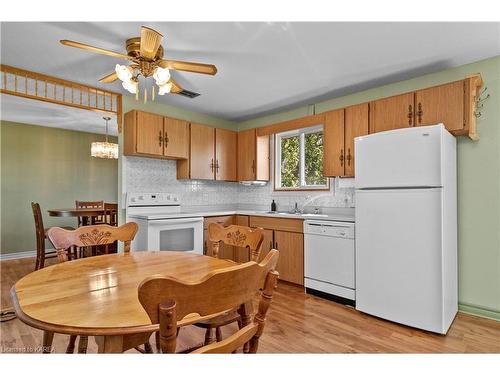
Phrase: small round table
pixel 97 296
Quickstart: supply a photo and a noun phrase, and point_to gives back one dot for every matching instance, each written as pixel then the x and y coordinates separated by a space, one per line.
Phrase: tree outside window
pixel 299 159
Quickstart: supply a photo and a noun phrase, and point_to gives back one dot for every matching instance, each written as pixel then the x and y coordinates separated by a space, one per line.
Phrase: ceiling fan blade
pixel 109 78
pixel 150 42
pixel 187 66
pixel 175 87
pixel 95 49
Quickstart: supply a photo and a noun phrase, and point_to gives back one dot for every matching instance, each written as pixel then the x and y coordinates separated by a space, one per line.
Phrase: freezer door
pixel 398 256
pixel 399 158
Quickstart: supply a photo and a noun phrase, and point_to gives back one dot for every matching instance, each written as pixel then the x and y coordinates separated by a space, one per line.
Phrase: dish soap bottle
pixel 273 206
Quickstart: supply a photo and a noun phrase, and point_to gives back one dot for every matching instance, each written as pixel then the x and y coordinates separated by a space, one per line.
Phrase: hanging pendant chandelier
pixel 104 150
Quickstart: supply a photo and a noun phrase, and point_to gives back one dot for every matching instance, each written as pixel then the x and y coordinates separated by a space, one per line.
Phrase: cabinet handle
pixel 341 157
pixel 212 165
pixel 410 114
pixel 420 113
pixel 270 244
pixel 217 166
pixel 349 157
pixel 276 245
pixel 253 166
pixel 166 139
pixel 160 139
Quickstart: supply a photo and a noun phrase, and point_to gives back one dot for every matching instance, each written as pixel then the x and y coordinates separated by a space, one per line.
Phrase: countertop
pixel 187 212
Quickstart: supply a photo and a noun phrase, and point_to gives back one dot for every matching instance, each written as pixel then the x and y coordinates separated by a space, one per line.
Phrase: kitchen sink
pixel 291 213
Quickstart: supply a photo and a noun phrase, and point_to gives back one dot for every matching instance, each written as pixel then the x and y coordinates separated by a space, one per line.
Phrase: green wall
pixel 52 167
pixel 478 181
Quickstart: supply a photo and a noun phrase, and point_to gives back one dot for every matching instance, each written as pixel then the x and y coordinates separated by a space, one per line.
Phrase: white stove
pixel 159 228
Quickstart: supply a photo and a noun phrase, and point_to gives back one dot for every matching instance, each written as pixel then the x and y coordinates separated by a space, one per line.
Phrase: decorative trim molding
pixel 18 255
pixel 479 311
pixel 32 85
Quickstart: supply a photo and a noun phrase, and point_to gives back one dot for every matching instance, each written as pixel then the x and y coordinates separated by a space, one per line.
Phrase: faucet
pixel 310 199
pixel 296 209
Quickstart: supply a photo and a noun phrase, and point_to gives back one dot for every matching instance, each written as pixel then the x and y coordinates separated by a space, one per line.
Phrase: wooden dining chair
pixel 90 235
pixel 89 204
pixel 41 235
pixel 168 301
pixel 111 214
pixel 233 235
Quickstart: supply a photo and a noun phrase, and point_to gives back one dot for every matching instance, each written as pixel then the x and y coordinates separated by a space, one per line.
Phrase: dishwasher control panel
pixel 329 228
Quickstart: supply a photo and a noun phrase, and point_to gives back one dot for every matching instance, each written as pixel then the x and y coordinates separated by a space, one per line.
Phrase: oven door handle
pixel 194 220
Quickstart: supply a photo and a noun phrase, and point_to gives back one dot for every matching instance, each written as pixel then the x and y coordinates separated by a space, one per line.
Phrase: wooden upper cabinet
pixel 176 138
pixel 202 152
pixel 443 103
pixel 392 113
pixel 355 125
pixel 333 144
pixel 226 142
pixel 253 156
pixel 247 149
pixel 149 134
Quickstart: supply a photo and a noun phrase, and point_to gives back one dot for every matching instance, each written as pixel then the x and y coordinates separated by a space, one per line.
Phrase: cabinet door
pixel 246 155
pixel 291 260
pixel 443 103
pixel 262 160
pixel 392 113
pixel 225 154
pixel 333 144
pixel 202 152
pixel 149 134
pixel 356 125
pixel 267 243
pixel 176 138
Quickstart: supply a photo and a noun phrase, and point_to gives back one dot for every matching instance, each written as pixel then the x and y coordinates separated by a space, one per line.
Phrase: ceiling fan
pixel 146 56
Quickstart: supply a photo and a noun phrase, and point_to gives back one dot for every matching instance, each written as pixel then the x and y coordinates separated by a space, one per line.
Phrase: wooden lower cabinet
pixel 285 235
pixel 291 260
pixel 267 243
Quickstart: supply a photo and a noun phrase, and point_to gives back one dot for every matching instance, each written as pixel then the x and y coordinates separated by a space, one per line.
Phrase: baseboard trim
pixel 18 255
pixel 479 311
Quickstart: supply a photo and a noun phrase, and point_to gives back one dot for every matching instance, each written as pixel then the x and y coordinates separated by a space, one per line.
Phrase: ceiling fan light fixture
pixel 123 72
pixel 161 76
pixel 165 88
pixel 130 86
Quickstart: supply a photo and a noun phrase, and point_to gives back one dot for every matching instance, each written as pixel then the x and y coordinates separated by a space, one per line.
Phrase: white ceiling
pixel 35 112
pixel 262 67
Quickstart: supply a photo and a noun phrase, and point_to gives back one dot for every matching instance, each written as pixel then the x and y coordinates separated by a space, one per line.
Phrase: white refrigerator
pixel 406 226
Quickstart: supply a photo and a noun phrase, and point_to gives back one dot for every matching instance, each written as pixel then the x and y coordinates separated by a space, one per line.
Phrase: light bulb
pixel 165 88
pixel 123 72
pixel 161 76
pixel 130 86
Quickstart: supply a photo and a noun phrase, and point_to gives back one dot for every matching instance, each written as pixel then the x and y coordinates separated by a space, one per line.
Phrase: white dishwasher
pixel 329 260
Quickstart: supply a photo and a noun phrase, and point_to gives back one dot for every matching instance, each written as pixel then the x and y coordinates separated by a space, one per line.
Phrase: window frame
pixel 301 132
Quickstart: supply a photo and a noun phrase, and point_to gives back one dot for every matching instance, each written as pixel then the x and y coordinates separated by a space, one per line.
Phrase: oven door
pixel 184 234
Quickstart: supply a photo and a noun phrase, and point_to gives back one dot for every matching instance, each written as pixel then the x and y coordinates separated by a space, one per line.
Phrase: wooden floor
pixel 297 323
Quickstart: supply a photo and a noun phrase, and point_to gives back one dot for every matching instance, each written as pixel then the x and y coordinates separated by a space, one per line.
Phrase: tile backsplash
pixel 153 175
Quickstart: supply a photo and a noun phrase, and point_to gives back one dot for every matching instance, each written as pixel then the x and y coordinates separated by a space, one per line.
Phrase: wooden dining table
pixel 97 296
pixel 93 213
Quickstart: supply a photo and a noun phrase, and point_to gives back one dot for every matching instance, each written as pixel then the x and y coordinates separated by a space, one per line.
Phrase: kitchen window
pixel 299 160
